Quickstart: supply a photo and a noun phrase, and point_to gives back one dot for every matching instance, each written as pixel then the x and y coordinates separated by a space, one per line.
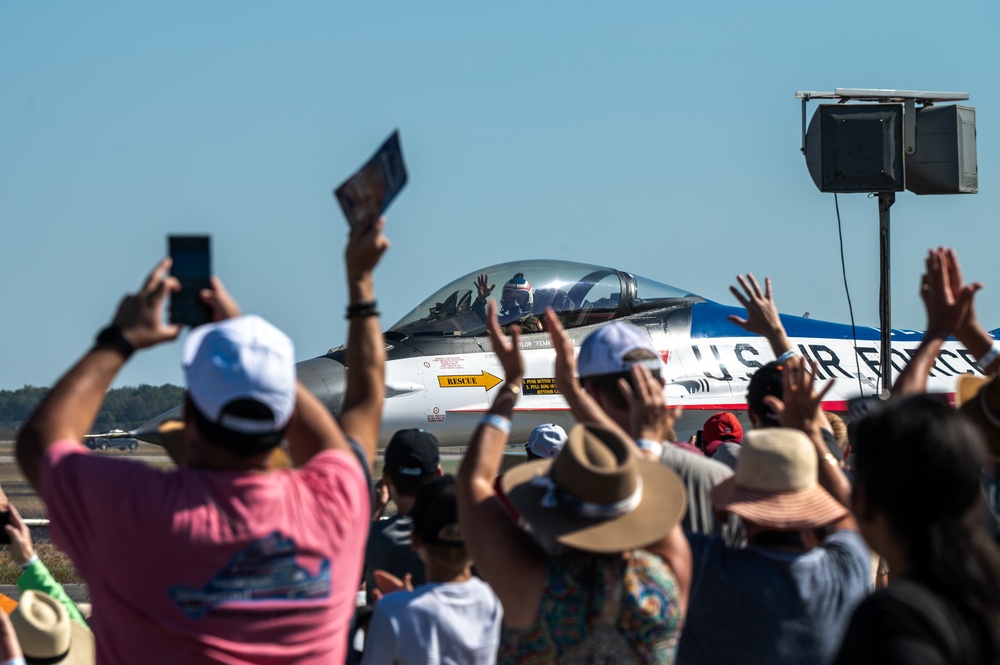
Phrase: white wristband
pixel 990 356
pixel 27 564
pixel 14 661
pixel 496 422
pixel 790 353
pixel 654 447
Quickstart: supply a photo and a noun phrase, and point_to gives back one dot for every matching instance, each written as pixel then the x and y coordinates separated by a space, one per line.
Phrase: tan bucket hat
pixel 597 495
pixel 47 634
pixel 776 483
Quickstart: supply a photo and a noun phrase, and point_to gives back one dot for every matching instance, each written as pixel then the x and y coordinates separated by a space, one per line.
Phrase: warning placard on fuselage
pixel 544 386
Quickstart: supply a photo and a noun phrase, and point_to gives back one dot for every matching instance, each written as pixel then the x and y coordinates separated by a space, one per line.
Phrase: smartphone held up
pixel 191 258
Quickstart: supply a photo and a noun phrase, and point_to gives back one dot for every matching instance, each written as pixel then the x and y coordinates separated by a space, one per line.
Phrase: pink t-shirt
pixel 192 566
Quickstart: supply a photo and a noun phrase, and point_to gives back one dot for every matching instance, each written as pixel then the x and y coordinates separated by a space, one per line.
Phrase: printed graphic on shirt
pixel 256 577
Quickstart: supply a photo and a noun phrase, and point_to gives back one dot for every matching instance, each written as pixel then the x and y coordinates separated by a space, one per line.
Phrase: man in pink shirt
pixel 223 560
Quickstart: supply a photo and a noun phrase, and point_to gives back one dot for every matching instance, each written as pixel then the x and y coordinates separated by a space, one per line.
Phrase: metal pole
pixel 885 201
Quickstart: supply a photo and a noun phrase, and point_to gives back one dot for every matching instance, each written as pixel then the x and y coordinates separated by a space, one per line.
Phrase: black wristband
pixel 112 337
pixel 362 309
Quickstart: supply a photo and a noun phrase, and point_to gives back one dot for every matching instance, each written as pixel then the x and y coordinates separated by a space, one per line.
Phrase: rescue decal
pixel 482 380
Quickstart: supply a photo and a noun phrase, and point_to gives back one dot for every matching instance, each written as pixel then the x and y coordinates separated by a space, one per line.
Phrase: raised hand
pixel 140 315
pixel 365 248
pixel 20 548
pixel 762 314
pixel 649 415
pixel 483 287
pixel 565 376
pixel 801 405
pixel 222 304
pixel 508 353
pixel 948 300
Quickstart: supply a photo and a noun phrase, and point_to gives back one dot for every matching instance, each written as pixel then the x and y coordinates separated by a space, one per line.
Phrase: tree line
pixel 124 408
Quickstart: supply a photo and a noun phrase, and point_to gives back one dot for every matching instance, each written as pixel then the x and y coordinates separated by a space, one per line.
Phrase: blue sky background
pixel 658 138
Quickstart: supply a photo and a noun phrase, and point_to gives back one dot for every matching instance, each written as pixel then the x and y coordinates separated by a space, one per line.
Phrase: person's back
pixel 227 559
pixel 700 475
pixel 914 620
pixel 757 605
pixel 454 618
pixel 245 558
pixel 785 598
pixel 621 609
pixel 412 458
pixel 454 622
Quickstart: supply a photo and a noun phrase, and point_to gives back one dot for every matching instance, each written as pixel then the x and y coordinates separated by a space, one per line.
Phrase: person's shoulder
pixel 682 461
pixel 846 539
pixel 395 523
pixel 905 606
pixel 333 463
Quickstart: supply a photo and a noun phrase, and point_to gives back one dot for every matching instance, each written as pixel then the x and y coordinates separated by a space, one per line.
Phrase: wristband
pixel 27 564
pixel 112 337
pixel 362 309
pixel 497 422
pixel 790 353
pixel 14 661
pixel 654 447
pixel 990 356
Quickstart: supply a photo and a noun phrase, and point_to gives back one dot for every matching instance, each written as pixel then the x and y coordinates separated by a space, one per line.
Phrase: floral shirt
pixel 597 609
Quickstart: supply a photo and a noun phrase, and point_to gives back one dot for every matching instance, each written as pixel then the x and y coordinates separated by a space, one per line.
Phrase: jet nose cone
pixel 326 379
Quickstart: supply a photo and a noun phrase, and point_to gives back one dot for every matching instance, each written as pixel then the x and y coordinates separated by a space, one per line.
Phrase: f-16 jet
pixel 441 373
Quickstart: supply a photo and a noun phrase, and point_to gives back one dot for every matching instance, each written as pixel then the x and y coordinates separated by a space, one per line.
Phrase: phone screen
pixel 192 266
pixel 4 521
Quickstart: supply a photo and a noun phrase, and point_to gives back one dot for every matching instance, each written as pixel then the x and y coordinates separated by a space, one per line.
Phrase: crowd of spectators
pixel 612 543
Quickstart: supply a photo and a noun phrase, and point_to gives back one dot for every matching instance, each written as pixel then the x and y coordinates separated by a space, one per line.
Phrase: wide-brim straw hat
pixel 596 495
pixel 776 484
pixel 48 634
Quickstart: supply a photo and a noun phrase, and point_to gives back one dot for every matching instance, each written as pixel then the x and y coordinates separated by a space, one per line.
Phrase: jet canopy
pixel 582 294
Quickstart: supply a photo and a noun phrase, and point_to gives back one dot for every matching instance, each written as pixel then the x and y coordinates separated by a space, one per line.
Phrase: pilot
pixel 515 303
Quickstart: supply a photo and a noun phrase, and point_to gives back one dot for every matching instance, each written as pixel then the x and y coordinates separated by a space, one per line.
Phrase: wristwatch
pixel 112 337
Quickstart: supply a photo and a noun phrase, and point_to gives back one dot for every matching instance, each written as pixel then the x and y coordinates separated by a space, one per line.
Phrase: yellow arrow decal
pixel 482 380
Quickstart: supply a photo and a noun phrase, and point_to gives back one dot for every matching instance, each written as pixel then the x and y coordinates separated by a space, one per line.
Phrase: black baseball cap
pixel 435 513
pixel 413 453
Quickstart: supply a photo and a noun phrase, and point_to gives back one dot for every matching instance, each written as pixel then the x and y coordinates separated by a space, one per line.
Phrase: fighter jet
pixel 441 373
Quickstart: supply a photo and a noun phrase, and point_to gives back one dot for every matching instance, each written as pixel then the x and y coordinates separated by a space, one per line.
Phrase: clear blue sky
pixel 659 138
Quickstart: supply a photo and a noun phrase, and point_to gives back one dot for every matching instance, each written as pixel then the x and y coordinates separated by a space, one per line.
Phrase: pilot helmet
pixel 515 286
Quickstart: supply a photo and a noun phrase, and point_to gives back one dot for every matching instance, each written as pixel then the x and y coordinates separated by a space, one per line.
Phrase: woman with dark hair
pixel 918 501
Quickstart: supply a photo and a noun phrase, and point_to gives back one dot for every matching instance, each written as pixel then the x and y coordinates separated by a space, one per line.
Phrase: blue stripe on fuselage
pixel 708 319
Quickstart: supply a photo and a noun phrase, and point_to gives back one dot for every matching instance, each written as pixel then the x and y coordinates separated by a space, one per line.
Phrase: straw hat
pixel 776 483
pixel 47 634
pixel 597 495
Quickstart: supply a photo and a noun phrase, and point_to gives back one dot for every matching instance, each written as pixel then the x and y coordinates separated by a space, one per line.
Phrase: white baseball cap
pixel 546 440
pixel 241 358
pixel 604 350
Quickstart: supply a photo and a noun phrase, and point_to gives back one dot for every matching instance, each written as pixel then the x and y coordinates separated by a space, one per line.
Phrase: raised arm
pixel 762 314
pixel 968 330
pixel 361 413
pixel 949 307
pixel 650 417
pixel 69 409
pixel 800 407
pixel 505 555
pixel 583 406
